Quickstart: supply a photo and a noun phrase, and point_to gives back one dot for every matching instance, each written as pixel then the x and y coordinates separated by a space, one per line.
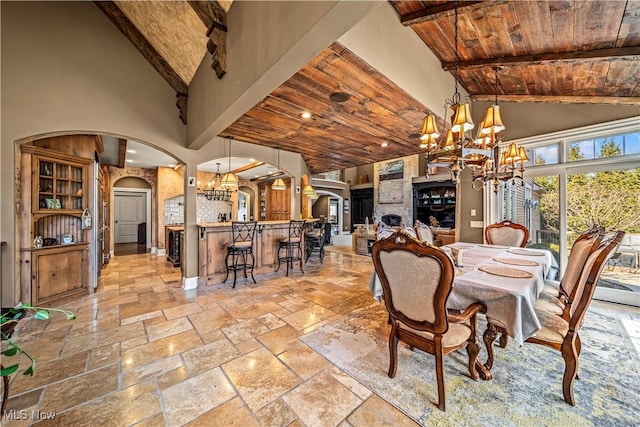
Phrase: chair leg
pixel 253 263
pixel 473 349
pixel 579 348
pixel 244 264
pixel 393 350
pixel 504 339
pixel 299 256
pixel 570 355
pixel 440 373
pixel 278 257
pixel 235 268
pixel 226 266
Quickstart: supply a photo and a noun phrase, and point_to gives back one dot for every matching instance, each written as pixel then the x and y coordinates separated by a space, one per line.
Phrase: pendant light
pixel 278 184
pixel 229 180
pixel 309 191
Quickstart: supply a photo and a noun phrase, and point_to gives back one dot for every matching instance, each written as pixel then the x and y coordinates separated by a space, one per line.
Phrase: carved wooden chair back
pixel 584 245
pixel 416 280
pixel 561 334
pixel 507 233
pixel 423 231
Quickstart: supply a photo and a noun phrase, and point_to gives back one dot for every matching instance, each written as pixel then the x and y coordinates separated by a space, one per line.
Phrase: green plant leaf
pixel 11 351
pixel 8 370
pixel 70 316
pixel 29 370
pixel 41 315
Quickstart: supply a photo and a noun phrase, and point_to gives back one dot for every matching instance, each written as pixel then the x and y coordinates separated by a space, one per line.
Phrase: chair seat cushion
pixel 549 302
pixel 290 240
pixel 457 334
pixel 554 328
pixel 551 287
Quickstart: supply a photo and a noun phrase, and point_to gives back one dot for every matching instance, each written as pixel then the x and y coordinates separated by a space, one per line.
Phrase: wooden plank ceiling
pixel 550 51
pixel 339 134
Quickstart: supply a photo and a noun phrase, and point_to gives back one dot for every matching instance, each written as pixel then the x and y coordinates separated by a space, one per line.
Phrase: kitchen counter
pixel 215 236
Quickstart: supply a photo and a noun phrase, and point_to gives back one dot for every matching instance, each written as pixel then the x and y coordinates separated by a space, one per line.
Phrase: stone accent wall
pixel 405 209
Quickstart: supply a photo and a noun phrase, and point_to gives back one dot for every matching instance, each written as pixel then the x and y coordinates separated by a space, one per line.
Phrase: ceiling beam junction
pixel 564 99
pixel 126 27
pixel 438 11
pixel 122 152
pixel 214 18
pixel 630 53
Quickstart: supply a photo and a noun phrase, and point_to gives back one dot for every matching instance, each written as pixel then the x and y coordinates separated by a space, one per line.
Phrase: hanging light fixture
pixel 308 190
pixel 214 191
pixel 505 160
pixel 229 180
pixel 278 184
pixel 449 153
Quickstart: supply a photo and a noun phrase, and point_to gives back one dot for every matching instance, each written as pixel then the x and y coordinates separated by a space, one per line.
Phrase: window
pixel 595 179
pixel 608 146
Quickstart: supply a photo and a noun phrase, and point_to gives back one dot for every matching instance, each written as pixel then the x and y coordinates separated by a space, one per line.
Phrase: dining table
pixel 507 280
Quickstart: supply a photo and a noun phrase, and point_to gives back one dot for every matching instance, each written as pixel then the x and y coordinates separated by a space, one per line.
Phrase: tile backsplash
pixel 207 210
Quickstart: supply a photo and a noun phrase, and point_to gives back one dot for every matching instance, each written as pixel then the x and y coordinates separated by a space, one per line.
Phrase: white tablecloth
pixel 510 301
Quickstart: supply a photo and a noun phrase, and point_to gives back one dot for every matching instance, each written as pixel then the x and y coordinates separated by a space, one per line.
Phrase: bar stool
pixel 314 242
pixel 290 244
pixel 241 247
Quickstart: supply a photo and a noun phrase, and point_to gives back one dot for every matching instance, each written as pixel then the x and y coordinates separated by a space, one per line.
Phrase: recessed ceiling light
pixel 256 175
pixel 306 115
pixel 172 165
pixel 131 151
pixel 129 161
pixel 384 144
pixel 339 97
pixel 252 160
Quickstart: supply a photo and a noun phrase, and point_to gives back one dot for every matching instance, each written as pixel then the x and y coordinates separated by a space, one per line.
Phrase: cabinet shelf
pixel 435 200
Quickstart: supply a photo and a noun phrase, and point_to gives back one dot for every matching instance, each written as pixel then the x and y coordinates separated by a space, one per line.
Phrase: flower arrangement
pixel 9 320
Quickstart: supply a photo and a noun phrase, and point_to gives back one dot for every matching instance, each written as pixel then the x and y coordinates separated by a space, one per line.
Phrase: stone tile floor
pixel 145 352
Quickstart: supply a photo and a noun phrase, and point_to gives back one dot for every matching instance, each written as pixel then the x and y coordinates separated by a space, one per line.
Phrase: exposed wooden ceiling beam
pixel 126 27
pixel 122 152
pixel 247 167
pixel 630 53
pixel 266 177
pixel 215 19
pixel 564 99
pixel 438 11
pixel 210 13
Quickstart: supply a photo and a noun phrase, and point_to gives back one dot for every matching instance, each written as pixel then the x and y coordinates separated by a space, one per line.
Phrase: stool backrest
pixel 243 231
pixel 296 228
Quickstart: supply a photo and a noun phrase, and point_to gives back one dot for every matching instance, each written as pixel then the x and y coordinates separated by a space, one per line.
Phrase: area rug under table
pixel 527 385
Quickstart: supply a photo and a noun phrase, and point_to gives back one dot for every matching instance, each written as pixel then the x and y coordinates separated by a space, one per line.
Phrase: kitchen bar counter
pixel 215 236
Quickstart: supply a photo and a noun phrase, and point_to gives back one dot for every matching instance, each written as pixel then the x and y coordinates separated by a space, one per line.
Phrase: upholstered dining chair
pixel 423 231
pixel 562 334
pixel 506 233
pixel 557 298
pixel 416 280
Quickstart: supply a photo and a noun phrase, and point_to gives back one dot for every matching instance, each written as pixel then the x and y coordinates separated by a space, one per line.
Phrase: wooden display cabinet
pixel 54 205
pixel 437 200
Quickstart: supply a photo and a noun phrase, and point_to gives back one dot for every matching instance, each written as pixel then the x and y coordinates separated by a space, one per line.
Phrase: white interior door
pixel 129 211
